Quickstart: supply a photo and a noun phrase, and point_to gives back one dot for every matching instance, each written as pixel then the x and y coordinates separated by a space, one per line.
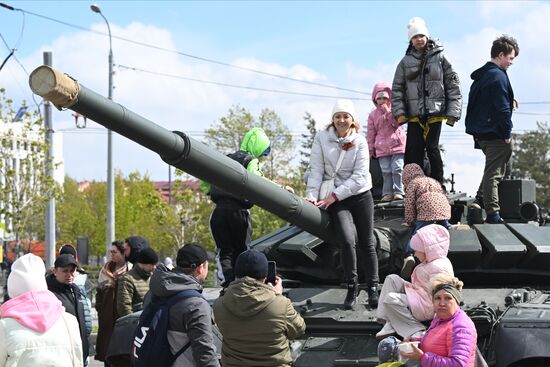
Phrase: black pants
pixel 350 216
pixel 416 148
pixel 232 230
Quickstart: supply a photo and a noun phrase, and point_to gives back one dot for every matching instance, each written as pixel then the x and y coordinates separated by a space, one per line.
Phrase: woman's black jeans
pixel 350 215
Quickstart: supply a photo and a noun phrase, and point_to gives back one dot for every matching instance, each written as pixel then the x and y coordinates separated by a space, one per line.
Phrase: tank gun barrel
pixel 180 150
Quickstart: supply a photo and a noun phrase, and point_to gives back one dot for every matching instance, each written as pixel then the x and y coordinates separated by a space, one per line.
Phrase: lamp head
pixel 95 8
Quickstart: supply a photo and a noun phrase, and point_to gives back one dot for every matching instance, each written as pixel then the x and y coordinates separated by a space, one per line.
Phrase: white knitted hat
pixel 27 274
pixel 417 26
pixel 344 105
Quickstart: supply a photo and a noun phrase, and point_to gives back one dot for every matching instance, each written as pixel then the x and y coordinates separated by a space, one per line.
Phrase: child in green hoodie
pixel 230 222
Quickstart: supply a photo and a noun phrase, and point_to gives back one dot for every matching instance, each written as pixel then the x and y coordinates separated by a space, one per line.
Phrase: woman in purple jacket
pixel 451 338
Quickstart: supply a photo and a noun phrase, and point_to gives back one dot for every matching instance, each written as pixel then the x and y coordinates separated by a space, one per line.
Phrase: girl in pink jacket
pixel 386 141
pixel 404 305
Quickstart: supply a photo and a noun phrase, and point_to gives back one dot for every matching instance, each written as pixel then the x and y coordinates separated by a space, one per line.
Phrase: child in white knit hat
pixel 425 93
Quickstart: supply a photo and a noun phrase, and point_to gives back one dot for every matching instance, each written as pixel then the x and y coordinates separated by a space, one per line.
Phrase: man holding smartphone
pixel 255 319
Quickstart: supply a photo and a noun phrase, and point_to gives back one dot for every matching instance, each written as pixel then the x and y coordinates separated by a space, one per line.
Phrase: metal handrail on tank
pixel 180 150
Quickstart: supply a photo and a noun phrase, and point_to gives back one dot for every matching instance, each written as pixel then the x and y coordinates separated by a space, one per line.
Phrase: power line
pixel 234 85
pixel 200 58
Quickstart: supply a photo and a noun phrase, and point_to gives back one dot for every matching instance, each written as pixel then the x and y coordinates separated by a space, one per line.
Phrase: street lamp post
pixel 110 225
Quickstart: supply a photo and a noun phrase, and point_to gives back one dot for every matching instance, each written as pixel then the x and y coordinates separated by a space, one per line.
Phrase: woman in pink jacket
pixel 386 141
pixel 451 339
pixel 404 305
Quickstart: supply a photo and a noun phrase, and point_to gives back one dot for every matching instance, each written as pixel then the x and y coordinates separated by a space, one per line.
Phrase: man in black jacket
pixel 61 283
pixel 489 120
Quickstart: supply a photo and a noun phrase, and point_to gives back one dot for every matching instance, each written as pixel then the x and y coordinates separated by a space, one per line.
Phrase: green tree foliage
pixel 226 134
pixel 76 217
pixel 531 160
pixel 24 186
pixel 139 209
pixel 193 212
pixel 277 164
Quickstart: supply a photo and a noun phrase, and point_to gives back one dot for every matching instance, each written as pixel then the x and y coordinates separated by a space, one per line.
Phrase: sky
pixel 168 53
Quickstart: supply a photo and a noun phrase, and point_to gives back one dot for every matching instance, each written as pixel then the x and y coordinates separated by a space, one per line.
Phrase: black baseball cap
pixel 65 260
pixel 191 255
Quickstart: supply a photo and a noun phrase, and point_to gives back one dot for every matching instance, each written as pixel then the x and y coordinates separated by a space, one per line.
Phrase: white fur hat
pixel 344 105
pixel 27 274
pixel 417 26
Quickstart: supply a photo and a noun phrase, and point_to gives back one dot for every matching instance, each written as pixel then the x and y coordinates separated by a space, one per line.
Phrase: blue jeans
pixel 422 223
pixel 392 170
pixel 355 215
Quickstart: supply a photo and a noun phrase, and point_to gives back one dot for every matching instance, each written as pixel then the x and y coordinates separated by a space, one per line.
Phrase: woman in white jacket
pixel 349 202
pixel 35 330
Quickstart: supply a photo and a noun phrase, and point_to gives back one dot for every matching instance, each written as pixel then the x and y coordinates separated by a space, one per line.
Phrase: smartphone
pixel 271 272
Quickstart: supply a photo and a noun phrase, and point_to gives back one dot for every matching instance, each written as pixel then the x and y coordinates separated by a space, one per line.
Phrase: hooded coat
pixel 137 243
pixel 190 319
pixel 256 325
pixel 489 112
pixel 384 135
pixel 424 197
pixel 353 177
pixel 433 240
pixel 34 328
pixel 426 86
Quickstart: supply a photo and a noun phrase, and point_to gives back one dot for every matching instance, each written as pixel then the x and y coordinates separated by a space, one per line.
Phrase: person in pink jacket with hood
pixel 386 141
pixel 35 330
pixel 404 305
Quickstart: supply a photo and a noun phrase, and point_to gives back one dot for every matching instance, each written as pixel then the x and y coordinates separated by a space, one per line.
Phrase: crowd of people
pixel 47 320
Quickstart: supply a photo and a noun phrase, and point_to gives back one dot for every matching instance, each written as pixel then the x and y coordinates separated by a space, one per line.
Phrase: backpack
pixel 150 346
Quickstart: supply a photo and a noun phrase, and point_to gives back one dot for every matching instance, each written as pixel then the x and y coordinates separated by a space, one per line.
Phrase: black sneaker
pixel 494 218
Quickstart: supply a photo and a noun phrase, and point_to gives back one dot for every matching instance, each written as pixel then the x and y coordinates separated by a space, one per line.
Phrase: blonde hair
pixel 445 278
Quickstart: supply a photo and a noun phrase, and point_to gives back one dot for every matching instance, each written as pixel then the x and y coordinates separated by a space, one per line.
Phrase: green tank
pixel 505 268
